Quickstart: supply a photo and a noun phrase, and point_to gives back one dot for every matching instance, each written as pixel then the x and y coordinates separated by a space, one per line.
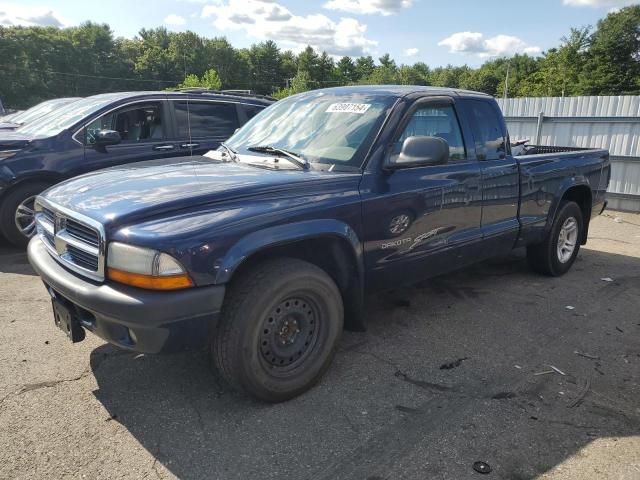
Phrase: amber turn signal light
pixel 150 282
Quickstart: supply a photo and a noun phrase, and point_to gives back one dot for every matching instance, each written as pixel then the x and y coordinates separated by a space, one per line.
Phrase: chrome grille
pixel 82 232
pixel 74 240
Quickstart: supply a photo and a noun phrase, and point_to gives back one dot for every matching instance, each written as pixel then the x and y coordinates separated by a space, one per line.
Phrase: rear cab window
pixel 489 136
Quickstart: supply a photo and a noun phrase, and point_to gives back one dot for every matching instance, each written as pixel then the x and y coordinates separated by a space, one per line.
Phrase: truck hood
pixel 121 195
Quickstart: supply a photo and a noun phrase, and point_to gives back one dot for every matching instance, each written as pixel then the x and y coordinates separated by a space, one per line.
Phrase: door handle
pixel 163 147
pixel 189 145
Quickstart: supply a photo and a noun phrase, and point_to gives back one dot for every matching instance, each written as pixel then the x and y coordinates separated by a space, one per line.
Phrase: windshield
pixel 321 127
pixel 66 116
pixel 41 110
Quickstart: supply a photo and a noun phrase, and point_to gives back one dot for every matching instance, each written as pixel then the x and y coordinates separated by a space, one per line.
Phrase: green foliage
pixel 612 61
pixel 45 62
pixel 209 79
pixel 300 83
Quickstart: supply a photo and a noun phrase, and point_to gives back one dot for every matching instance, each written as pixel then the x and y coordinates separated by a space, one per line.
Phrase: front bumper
pixel 132 318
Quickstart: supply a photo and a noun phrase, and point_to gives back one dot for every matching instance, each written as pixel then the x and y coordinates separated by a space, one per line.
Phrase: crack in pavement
pixel 30 387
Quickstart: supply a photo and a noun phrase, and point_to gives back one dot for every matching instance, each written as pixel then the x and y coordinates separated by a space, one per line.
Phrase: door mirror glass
pixel 104 138
pixel 420 151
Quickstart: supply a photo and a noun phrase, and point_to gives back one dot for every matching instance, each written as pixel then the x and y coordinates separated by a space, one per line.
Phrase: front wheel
pixel 555 255
pixel 17 216
pixel 279 329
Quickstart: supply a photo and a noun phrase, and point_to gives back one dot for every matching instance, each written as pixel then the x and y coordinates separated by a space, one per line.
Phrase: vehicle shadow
pixel 458 369
pixel 14 259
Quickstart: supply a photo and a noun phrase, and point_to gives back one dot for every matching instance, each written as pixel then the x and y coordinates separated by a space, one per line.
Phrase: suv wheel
pixel 17 219
pixel 559 250
pixel 279 329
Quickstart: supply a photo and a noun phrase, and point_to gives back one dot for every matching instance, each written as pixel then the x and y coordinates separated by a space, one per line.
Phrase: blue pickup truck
pixel 263 250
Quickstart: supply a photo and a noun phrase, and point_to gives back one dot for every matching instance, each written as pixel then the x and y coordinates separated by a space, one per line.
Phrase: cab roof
pixel 403 90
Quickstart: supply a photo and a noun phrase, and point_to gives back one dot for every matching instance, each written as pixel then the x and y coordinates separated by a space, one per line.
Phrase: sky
pixel 437 32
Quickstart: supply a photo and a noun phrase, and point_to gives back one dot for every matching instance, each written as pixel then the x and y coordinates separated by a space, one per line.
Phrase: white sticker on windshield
pixel 348 108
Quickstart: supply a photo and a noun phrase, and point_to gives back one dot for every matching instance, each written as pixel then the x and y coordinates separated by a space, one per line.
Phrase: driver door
pixel 420 221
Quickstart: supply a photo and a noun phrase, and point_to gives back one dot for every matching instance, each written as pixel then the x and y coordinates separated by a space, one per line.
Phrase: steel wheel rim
pixel 25 218
pixel 567 239
pixel 289 333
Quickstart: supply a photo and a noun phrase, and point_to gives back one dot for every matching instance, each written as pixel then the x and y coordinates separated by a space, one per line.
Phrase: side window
pixel 435 122
pixel 134 123
pixel 252 110
pixel 487 131
pixel 206 119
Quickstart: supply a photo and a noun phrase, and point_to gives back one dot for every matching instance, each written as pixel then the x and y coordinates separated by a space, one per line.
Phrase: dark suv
pixel 106 130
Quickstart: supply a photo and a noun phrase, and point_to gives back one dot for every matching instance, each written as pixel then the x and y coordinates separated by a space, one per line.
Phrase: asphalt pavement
pixel 537 377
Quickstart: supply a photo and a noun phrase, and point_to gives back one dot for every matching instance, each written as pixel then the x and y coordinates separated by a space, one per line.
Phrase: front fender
pixel 282 234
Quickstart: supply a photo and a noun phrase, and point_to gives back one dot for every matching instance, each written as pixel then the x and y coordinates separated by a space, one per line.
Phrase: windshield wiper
pixel 293 157
pixel 233 155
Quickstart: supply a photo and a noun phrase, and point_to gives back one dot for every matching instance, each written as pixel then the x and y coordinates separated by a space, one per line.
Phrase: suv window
pixel 487 131
pixel 252 110
pixel 134 123
pixel 435 121
pixel 206 119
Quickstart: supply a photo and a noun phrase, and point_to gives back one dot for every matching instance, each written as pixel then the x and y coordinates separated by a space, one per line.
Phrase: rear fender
pixel 567 184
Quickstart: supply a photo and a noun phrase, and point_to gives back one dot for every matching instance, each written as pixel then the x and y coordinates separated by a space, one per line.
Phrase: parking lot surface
pixel 536 376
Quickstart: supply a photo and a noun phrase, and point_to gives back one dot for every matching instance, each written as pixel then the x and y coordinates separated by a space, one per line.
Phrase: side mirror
pixel 420 152
pixel 105 138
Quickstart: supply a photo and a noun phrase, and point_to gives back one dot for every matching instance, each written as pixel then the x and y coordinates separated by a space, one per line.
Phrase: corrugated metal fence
pixel 593 122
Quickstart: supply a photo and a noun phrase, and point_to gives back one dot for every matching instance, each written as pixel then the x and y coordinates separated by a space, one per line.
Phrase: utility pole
pixel 506 81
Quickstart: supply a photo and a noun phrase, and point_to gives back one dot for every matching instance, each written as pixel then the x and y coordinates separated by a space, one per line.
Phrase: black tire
pixel 10 203
pixel 544 257
pixel 279 329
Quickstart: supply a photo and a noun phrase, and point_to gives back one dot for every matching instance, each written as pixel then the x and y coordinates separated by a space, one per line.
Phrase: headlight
pixel 145 268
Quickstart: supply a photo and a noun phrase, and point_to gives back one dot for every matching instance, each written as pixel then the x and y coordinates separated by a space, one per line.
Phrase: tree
pixel 612 64
pixel 448 76
pixel 324 75
pixel 561 69
pixel 300 83
pixel 308 61
pixel 46 62
pixel 228 62
pixel 364 66
pixel 388 63
pixel 265 66
pixel 346 70
pixel 209 79
pixel 190 81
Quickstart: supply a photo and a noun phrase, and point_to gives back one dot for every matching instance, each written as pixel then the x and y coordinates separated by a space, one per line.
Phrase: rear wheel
pixel 279 329
pixel 17 219
pixel 556 254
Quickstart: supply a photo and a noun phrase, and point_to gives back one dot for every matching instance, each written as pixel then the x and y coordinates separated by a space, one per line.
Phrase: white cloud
pixel 174 19
pixel 264 19
pixel 12 14
pixel 600 3
pixel 411 52
pixel 368 7
pixel 474 43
